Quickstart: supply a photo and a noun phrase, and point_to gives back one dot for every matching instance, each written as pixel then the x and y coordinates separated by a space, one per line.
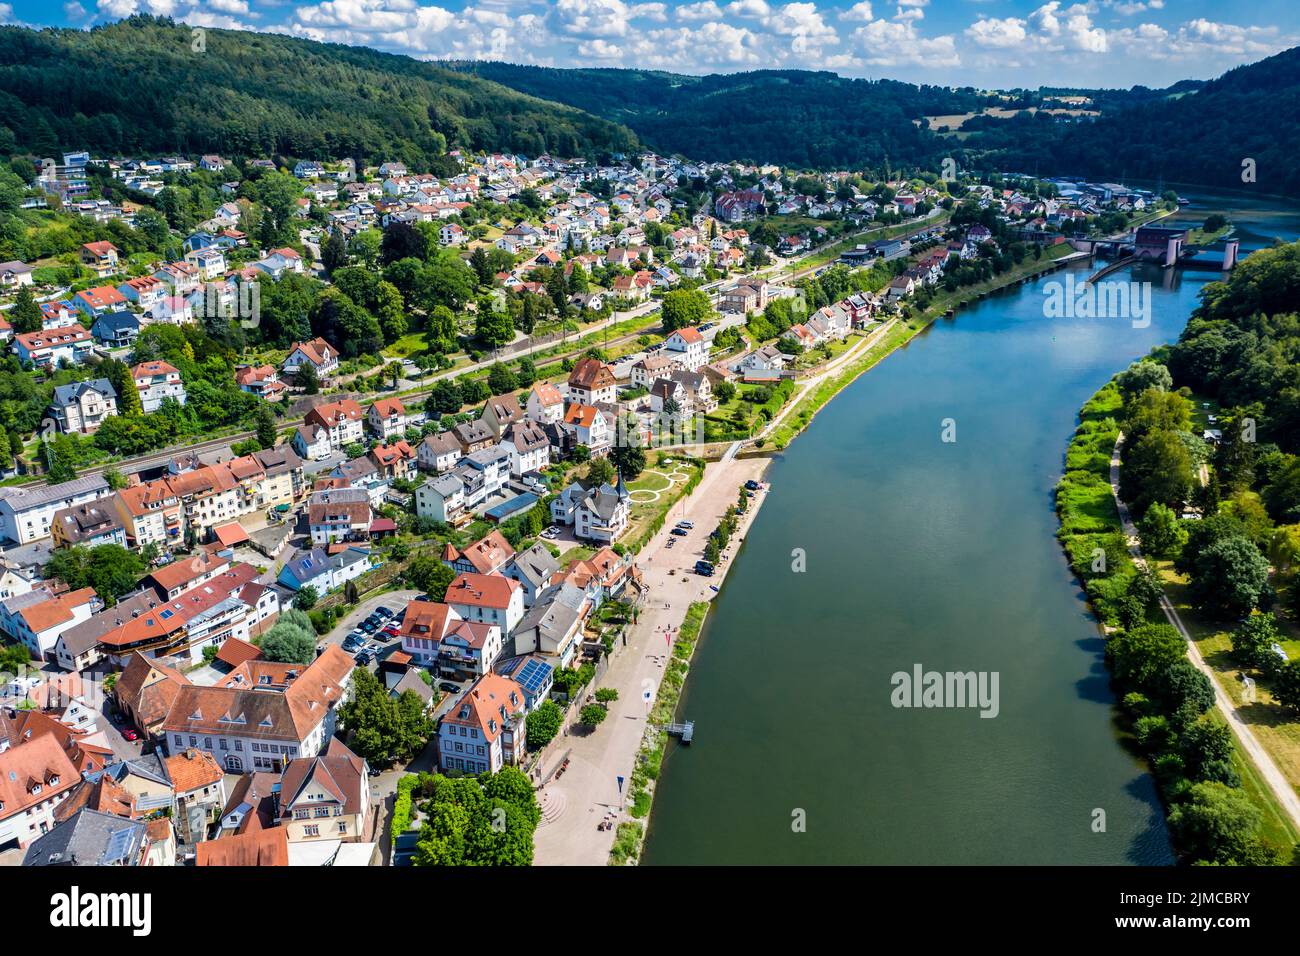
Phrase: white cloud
pixel 705 10
pixel 593 18
pixel 859 11
pixel 897 43
pixel 992 32
pixel 754 9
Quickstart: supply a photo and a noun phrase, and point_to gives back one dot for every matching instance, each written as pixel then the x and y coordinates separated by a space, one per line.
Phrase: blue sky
pixel 990 43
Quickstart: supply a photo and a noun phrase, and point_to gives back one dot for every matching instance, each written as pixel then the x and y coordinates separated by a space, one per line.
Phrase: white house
pixel 156 382
pixel 689 345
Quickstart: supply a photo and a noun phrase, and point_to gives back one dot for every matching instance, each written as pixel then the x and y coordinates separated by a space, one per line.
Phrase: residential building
pixel 156 382
pixel 487 598
pixel 485 730
pixel 117 330
pixel 596 514
pixel 591 382
pixel 317 353
pixel 325 797
pixel 689 346
pixel 339 514
pixel 82 406
pixel 100 257
pixel 323 571
pixel 439 452
pixel 69 345
pixel 387 418
pixel 528 446
pixel 533 568
pixel 260 717
pixel 545 404
pixel 262 381
pixel 26 513
pixel 35 777
pixel 488 555
pixel 590 427
pixel 37 618
pixel 152 514
pixel 92 524
pixel 500 412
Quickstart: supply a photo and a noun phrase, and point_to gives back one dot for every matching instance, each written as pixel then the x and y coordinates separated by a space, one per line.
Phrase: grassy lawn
pixel 830 387
pixel 412 343
pixel 1277 730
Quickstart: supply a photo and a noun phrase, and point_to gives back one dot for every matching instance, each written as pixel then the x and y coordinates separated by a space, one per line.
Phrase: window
pixel 312 830
pixel 343 826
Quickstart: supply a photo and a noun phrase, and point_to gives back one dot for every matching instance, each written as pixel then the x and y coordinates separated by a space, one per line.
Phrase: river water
pixel 921 551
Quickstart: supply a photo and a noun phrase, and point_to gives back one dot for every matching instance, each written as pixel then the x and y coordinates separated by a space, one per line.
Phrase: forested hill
pixel 789 117
pixel 1252 112
pixel 138 86
pixel 1190 132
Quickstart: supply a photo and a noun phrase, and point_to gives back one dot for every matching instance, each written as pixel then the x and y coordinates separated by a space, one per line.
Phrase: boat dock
pixel 685 731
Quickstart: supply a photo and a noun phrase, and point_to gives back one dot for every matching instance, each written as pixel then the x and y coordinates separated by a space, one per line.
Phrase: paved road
pixel 573 805
pixel 1281 787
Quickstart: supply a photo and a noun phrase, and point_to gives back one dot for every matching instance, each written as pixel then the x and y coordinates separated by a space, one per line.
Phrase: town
pixel 324 479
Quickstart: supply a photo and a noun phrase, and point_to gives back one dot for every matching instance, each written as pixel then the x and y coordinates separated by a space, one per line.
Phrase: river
pixel 938 553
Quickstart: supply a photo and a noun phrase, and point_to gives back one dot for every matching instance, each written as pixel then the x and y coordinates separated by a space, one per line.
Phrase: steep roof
pixel 482 590
pixel 253 848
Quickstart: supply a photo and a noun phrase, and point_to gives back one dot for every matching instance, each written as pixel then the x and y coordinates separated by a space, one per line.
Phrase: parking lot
pixel 395 601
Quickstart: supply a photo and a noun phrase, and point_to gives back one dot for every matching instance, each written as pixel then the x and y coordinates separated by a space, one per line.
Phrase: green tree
pixel 1141 375
pixel 1216 824
pixel 426 573
pixel 629 459
pixel 592 715
pixel 25 316
pixel 307 379
pixel 1253 640
pixel 683 307
pixel 1142 654
pixel 600 472
pixel 1228 578
pixel 306 598
pixel 501 379
pixel 384 729
pixel 1286 685
pixel 265 427
pixel 110 569
pixel 289 642
pixel 543 724
pixel 1161 532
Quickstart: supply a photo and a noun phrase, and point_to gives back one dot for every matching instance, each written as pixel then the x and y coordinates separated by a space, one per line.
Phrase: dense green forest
pixel 1201 137
pixel 790 117
pixel 1190 132
pixel 139 86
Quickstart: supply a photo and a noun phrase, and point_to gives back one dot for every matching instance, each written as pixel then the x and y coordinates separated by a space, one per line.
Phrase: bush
pixel 592 715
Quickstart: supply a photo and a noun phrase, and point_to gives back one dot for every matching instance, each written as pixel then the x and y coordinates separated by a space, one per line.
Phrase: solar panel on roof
pixel 532 676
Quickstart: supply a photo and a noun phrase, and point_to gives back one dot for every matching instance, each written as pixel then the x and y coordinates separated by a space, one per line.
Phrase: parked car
pixel 129 734
pixel 680 532
pixel 363 658
pixel 751 485
pixel 686 524
pixel 449 687
pixel 382 611
pixel 704 568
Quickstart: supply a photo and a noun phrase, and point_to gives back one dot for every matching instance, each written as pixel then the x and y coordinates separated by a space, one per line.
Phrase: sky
pixel 983 43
